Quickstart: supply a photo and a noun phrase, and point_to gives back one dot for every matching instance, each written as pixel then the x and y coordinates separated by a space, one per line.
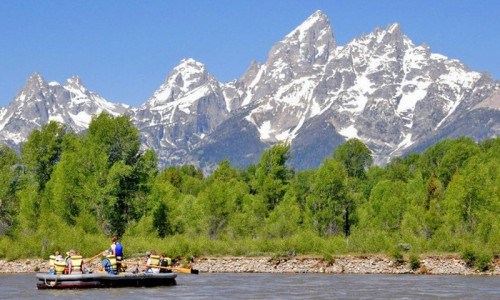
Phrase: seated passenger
pixel 68 261
pixel 59 256
pixel 109 263
pixel 152 260
pixel 148 262
pixel 76 265
pixel 164 263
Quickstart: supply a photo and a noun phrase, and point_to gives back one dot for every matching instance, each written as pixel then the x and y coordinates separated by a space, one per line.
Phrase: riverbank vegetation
pixel 75 191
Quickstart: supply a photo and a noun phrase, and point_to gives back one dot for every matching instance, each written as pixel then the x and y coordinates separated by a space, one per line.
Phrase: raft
pixel 97 280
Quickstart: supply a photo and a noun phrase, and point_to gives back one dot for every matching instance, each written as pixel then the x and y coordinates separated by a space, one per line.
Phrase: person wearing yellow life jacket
pixel 57 264
pixel 74 263
pixel 165 262
pixel 52 265
pixel 116 249
pixel 152 260
pixel 109 263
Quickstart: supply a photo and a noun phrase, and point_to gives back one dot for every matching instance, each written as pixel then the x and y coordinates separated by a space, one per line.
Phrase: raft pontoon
pixel 97 280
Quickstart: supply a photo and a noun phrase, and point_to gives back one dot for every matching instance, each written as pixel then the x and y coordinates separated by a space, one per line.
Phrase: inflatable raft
pixel 79 281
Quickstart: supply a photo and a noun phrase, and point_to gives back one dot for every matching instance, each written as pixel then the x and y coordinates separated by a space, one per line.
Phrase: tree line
pixel 66 190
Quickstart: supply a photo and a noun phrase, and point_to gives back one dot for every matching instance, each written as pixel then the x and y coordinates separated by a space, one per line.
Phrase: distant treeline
pixel 75 191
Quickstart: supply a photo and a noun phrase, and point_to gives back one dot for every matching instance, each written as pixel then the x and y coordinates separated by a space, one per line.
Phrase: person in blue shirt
pixel 116 249
pixel 107 264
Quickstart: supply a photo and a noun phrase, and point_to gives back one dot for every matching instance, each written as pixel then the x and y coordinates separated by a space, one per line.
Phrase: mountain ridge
pixel 310 92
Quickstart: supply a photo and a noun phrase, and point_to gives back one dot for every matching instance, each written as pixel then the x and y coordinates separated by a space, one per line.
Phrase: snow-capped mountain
pixel 188 106
pixel 39 102
pixel 381 88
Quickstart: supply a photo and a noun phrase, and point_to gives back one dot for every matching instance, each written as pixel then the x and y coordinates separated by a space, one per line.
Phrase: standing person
pixel 116 249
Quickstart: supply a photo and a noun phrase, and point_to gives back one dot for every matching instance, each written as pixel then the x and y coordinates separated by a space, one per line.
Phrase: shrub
pixel 414 262
pixel 479 260
pixel 397 256
pixel 469 257
pixel 483 262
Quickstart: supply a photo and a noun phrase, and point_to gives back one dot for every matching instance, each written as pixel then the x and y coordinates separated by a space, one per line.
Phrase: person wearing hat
pixel 109 263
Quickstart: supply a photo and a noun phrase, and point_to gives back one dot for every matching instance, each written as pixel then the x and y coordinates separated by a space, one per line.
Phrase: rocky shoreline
pixel 344 264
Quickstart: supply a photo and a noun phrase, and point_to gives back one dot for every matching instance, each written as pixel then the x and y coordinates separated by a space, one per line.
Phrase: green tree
pixel 355 156
pixel 116 136
pixel 219 201
pixel 161 221
pixel 456 155
pixel 39 156
pixel 284 220
pixel 271 175
pixel 327 202
pixel 9 181
pixel 386 206
pixel 42 151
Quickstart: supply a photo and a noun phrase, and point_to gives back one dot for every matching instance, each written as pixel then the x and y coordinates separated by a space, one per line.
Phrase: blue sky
pixel 123 50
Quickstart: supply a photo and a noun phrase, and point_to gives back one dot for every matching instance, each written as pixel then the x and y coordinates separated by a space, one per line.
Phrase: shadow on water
pixel 275 286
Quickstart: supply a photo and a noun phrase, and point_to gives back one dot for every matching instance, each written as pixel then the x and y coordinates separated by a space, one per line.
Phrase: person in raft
pixel 58 256
pixel 109 263
pixel 116 249
pixel 152 260
pixel 74 262
pixel 164 262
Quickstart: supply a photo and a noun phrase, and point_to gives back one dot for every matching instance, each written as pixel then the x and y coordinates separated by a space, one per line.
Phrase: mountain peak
pixel 316 22
pixel 310 43
pixel 74 81
pixel 190 64
pixel 394 28
pixel 186 76
pixel 35 79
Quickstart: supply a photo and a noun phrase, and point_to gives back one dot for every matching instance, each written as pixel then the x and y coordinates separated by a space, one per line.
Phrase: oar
pixel 178 270
pixel 93 257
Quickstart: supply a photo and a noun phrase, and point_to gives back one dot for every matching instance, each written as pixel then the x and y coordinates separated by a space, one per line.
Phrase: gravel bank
pixel 345 264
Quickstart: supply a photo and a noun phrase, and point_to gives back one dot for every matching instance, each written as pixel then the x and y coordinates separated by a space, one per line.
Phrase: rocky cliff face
pixel 381 88
pixel 188 106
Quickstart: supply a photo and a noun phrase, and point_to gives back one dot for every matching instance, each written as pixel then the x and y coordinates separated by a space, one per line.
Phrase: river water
pixel 275 286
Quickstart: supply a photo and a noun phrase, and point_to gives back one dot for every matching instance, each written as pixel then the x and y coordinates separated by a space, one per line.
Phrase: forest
pixel 65 190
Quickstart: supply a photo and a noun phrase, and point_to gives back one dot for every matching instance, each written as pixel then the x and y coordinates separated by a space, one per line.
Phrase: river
pixel 275 286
